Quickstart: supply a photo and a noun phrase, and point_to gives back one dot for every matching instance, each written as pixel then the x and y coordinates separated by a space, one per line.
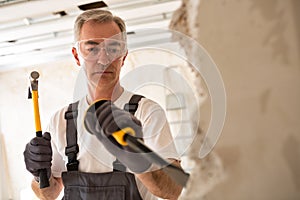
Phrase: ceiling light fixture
pixel 93 5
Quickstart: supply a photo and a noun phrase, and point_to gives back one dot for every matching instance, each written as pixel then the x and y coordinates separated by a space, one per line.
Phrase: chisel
pixel 125 137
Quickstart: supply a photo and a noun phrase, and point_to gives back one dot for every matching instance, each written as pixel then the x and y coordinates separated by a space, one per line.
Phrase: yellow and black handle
pixel 126 137
pixel 33 94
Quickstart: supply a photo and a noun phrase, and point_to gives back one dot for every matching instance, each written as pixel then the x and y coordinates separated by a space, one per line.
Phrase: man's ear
pixel 124 57
pixel 75 54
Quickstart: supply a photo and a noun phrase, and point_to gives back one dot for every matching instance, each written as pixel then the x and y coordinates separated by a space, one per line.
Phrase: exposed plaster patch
pixel 207 172
pixel 264 100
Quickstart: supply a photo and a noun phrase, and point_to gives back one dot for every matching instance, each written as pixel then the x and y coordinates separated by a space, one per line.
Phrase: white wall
pixel 17 123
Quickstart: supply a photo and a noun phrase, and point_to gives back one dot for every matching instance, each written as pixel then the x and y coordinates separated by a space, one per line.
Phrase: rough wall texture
pixel 206 172
pixel 256 45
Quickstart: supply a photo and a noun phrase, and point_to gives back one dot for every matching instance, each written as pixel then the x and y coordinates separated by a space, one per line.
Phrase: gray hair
pixel 98 16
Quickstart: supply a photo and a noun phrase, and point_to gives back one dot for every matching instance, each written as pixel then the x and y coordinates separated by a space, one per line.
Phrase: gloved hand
pixel 38 155
pixel 102 119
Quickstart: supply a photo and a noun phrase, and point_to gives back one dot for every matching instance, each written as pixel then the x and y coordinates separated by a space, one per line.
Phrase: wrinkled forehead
pixel 103 41
pixel 121 38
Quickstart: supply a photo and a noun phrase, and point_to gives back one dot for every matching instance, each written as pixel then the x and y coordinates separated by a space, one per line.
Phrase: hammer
pixel 33 94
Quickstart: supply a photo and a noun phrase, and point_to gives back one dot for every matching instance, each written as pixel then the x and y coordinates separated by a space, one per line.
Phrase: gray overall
pixel 116 185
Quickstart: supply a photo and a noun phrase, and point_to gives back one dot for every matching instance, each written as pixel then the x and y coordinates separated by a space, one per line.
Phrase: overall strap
pixel 131 107
pixel 71 135
pixel 133 103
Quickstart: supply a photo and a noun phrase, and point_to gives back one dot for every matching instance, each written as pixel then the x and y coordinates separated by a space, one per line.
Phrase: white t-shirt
pixel 93 157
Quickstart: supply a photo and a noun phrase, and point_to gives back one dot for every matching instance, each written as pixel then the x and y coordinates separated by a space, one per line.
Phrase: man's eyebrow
pixel 114 43
pixel 91 42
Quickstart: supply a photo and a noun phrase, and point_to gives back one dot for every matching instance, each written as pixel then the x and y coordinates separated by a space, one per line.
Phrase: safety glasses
pixel 91 49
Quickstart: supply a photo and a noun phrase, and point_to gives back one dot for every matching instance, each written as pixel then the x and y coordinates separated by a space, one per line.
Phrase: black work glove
pixel 102 119
pixel 38 155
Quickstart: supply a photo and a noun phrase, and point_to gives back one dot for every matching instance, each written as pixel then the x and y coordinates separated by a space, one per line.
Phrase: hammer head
pixel 34 75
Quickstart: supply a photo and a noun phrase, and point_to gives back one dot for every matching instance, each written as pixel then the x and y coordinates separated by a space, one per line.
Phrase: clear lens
pixel 91 49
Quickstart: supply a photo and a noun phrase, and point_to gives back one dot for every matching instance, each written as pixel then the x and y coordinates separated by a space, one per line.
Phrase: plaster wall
pixel 255 44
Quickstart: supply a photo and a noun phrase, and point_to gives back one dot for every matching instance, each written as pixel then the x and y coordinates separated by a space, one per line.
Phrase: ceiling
pixel 37 31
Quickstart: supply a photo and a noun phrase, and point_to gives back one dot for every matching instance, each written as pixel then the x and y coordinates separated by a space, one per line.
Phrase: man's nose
pixel 103 57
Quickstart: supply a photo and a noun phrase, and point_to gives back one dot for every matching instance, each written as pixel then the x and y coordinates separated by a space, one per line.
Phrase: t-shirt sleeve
pixel 156 130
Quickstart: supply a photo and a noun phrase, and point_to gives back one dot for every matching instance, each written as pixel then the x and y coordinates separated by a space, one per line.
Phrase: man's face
pixel 101 50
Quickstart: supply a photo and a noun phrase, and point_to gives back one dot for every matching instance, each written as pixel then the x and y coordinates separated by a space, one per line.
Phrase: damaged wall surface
pixel 256 45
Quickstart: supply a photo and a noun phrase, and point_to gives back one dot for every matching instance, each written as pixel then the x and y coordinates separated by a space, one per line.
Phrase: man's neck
pixel 106 93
